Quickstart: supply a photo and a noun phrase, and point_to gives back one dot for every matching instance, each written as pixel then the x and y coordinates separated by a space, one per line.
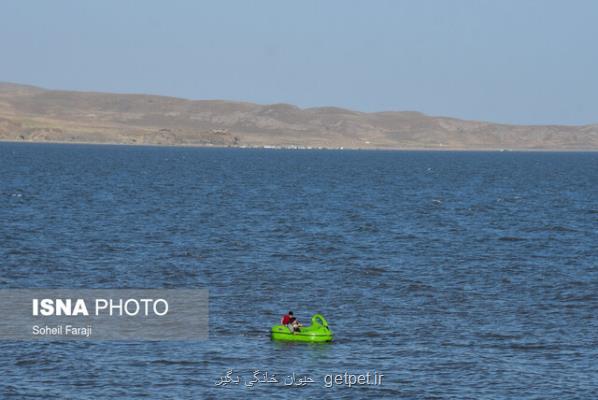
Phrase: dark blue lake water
pixel 456 275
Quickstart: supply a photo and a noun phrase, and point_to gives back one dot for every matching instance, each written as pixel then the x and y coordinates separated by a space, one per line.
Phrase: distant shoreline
pixel 282 148
pixel 32 114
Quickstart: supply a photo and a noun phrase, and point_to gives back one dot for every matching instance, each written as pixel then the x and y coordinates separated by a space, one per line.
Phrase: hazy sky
pixel 507 61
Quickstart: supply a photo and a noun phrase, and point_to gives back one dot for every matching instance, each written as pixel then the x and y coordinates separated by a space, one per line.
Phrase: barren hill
pixel 29 113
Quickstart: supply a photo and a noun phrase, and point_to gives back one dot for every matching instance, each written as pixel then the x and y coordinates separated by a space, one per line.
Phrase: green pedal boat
pixel 317 332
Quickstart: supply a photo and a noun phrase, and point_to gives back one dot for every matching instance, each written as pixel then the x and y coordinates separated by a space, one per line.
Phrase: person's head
pixel 290 313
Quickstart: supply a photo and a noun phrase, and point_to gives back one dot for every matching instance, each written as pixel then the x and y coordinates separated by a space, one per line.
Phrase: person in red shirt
pixel 291 322
pixel 287 319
